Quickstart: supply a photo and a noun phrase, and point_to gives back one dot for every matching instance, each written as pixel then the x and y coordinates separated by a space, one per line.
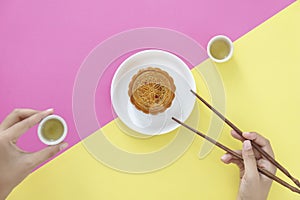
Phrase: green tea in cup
pixel 220 48
pixel 52 130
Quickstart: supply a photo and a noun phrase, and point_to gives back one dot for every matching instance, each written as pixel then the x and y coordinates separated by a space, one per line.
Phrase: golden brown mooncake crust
pixel 152 90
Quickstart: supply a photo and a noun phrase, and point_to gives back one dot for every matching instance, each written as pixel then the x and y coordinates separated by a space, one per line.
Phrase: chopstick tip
pixel 176 120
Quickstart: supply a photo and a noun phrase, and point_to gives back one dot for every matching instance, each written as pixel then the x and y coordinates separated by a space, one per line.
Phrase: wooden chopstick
pixel 226 149
pixel 255 145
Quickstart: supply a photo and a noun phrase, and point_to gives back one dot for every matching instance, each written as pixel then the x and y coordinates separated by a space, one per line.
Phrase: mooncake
pixel 152 90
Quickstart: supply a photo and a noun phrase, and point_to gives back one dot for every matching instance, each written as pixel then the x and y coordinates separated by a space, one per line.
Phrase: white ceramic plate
pixel 183 102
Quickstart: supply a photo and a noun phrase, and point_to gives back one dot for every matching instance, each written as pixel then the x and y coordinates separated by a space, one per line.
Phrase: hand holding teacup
pixel 16 163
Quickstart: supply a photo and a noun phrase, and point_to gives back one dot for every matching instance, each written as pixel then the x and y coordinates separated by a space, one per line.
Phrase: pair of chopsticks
pixel 255 146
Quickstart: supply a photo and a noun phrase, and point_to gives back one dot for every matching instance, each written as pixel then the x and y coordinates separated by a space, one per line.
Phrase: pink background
pixel 43 43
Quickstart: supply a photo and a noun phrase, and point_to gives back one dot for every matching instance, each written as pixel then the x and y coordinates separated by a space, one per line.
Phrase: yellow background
pixel 262 94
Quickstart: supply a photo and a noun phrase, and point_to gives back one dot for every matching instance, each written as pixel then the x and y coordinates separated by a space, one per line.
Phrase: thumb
pixel 46 153
pixel 249 160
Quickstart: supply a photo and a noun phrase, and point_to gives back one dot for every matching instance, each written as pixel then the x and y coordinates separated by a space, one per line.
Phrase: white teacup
pixel 220 48
pixel 52 130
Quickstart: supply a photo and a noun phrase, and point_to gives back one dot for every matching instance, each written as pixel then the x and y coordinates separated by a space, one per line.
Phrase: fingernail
pixel 247 134
pixel 50 110
pixel 225 157
pixel 63 146
pixel 247 145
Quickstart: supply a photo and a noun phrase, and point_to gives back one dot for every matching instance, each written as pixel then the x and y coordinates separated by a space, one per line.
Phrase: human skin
pixel 15 163
pixel 253 185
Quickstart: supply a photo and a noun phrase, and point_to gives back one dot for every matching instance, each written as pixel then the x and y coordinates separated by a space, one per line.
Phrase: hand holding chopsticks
pixel 256 146
pixel 253 185
pixel 238 156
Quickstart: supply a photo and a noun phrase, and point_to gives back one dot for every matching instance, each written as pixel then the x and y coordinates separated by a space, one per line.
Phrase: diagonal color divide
pixel 91 72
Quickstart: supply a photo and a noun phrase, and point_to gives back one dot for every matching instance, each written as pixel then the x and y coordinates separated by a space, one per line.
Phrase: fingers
pixel 248 167
pixel 41 156
pixel 260 140
pixel 237 136
pixel 228 158
pixel 249 160
pixel 16 116
pixel 21 127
